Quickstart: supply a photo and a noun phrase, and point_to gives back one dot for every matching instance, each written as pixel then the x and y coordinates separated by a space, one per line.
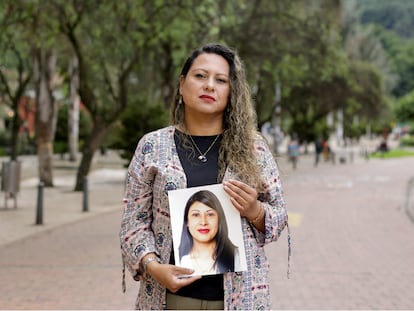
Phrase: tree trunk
pixel 44 68
pixel 15 100
pixel 91 145
pixel 15 130
pixel 73 111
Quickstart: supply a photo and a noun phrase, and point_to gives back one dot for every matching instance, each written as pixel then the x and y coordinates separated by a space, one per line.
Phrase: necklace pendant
pixel 202 158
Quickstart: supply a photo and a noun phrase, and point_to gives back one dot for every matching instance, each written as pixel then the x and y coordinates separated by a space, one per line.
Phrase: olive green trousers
pixel 175 302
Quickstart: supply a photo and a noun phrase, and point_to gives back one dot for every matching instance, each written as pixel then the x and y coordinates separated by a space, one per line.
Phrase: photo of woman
pixel 205 245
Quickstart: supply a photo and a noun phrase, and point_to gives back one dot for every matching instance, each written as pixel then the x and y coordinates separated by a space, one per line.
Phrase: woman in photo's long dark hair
pixel 205 245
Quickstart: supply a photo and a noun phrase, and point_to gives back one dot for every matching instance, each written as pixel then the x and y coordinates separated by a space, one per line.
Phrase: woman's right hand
pixel 170 276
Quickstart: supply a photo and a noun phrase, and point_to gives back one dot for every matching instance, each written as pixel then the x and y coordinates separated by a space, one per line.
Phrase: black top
pixel 200 173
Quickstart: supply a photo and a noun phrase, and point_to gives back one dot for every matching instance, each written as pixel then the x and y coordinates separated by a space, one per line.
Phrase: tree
pixel 397 15
pixel 404 109
pixel 401 54
pixel 151 118
pixel 62 141
pixel 316 77
pixel 73 111
pixel 295 45
pixel 362 43
pixel 109 42
pixel 44 42
pixel 44 63
pixel 393 24
pixel 16 68
pixel 262 32
pixel 31 41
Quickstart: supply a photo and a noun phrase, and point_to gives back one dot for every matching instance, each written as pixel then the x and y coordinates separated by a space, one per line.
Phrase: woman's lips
pixel 207 98
pixel 204 231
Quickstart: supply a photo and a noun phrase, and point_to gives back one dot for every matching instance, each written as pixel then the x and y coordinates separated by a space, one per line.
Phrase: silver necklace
pixel 202 157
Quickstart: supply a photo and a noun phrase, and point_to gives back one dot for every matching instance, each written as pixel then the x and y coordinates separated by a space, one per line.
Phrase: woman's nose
pixel 203 219
pixel 209 84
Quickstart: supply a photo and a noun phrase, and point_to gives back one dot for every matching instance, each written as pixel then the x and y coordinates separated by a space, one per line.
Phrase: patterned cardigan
pixel 154 170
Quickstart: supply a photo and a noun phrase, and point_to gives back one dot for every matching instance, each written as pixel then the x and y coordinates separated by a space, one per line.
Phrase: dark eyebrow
pixel 217 74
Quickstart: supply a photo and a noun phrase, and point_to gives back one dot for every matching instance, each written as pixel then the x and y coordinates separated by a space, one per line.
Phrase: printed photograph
pixel 207 231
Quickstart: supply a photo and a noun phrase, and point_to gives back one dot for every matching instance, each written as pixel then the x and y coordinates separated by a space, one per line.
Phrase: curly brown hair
pixel 239 122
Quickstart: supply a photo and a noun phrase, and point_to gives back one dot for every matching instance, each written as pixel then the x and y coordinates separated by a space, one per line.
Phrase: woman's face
pixel 202 222
pixel 206 88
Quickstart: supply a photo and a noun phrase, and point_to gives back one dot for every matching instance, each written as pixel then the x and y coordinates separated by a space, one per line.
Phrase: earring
pixel 180 100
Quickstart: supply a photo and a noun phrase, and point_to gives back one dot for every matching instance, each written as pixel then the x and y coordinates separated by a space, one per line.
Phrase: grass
pixel 394 153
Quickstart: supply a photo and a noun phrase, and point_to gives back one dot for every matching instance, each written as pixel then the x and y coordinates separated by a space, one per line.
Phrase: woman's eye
pixel 195 214
pixel 222 80
pixel 199 75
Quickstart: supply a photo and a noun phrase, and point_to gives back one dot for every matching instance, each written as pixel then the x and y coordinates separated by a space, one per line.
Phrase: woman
pixel 205 245
pixel 212 138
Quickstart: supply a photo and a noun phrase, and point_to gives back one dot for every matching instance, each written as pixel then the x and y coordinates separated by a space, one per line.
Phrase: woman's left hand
pixel 243 197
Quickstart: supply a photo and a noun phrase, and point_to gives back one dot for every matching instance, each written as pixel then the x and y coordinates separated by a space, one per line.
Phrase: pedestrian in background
pixel 212 138
pixel 328 153
pixel 318 150
pixel 293 150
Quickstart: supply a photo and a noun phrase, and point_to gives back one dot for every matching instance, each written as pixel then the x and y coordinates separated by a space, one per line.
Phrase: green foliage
pixel 137 120
pixel 4 138
pixel 407 141
pixel 366 90
pixel 404 109
pixel 395 153
pixel 354 130
pixel 401 54
pixel 404 62
pixel 395 15
pixel 4 152
pixel 15 65
pixel 393 22
pixel 134 49
pixel 61 135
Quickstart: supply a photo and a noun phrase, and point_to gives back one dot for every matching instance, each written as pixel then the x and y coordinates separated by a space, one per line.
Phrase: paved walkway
pixel 73 260
pixel 61 205
pixel 352 243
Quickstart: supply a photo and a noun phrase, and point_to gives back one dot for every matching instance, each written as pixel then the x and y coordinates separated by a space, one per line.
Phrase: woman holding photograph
pixel 205 245
pixel 213 138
